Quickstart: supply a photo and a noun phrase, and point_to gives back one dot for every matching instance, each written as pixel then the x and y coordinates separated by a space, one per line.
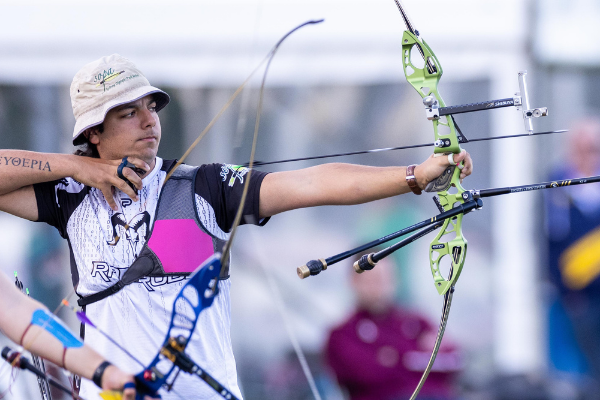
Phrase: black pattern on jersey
pixel 135 231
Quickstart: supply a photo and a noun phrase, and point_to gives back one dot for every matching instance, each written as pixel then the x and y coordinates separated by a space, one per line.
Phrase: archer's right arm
pixel 20 170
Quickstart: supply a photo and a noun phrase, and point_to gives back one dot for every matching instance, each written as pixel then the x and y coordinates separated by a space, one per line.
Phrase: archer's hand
pixel 433 167
pixel 102 174
pixel 114 379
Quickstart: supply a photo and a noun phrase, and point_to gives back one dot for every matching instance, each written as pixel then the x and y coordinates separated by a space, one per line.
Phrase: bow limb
pixel 193 297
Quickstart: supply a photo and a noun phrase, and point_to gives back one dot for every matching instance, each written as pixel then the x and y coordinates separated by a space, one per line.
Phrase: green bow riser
pixel 425 83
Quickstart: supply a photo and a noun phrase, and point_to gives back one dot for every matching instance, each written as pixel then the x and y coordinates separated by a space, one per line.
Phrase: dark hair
pixel 85 147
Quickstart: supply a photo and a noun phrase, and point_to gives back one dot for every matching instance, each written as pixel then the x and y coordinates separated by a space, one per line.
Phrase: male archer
pixel 128 287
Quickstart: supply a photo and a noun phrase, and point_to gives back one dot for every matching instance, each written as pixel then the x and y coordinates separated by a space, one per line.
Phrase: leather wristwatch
pixel 411 180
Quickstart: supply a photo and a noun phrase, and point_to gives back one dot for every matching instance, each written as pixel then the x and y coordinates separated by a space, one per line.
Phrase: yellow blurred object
pixel 111 395
pixel 580 263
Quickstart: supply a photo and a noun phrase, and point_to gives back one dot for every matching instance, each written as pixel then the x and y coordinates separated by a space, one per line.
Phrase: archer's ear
pixel 93 135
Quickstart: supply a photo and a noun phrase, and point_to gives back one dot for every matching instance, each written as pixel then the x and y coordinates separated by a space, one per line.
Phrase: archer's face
pixel 132 129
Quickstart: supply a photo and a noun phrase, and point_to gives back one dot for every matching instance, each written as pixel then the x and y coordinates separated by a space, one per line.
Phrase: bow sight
pixel 520 100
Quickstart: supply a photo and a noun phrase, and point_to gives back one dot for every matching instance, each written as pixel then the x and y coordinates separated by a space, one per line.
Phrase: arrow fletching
pixel 84 319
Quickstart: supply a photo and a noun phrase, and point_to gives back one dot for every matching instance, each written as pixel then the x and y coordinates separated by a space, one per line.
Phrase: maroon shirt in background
pixel 378 357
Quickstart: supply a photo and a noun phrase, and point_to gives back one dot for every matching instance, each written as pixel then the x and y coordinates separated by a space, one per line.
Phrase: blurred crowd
pixel 573 260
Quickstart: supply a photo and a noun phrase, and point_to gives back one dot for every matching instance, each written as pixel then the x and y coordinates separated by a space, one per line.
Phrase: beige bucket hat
pixel 104 84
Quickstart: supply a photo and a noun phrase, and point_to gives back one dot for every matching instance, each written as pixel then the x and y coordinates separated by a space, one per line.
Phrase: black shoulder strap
pixel 84 301
pixel 135 272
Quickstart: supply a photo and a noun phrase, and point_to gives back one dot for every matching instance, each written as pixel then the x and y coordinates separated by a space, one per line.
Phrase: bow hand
pixel 436 174
pixel 119 385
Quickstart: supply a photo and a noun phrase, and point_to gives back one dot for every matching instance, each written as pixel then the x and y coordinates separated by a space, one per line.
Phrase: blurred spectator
pixel 573 228
pixel 381 350
pixel 46 265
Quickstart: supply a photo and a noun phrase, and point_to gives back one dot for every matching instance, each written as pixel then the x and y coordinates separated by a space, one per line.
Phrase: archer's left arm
pixel 346 184
pixel 16 311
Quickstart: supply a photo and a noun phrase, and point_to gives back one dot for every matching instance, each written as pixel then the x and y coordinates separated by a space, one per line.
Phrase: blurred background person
pixel 573 236
pixel 381 350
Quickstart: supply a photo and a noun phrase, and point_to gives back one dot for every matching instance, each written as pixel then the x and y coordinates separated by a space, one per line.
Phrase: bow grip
pixel 442 182
pixel 313 267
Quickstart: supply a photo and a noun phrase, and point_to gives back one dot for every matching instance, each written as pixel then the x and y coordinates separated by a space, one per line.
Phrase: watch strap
pixel 411 180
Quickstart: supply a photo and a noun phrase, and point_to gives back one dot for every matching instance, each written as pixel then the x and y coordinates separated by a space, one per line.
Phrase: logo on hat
pixel 106 76
pixel 121 83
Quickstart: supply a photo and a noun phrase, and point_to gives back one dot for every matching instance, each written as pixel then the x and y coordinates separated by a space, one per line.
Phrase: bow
pixel 452 197
pixel 196 295
pixel 425 82
pixel 452 200
pixel 448 187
